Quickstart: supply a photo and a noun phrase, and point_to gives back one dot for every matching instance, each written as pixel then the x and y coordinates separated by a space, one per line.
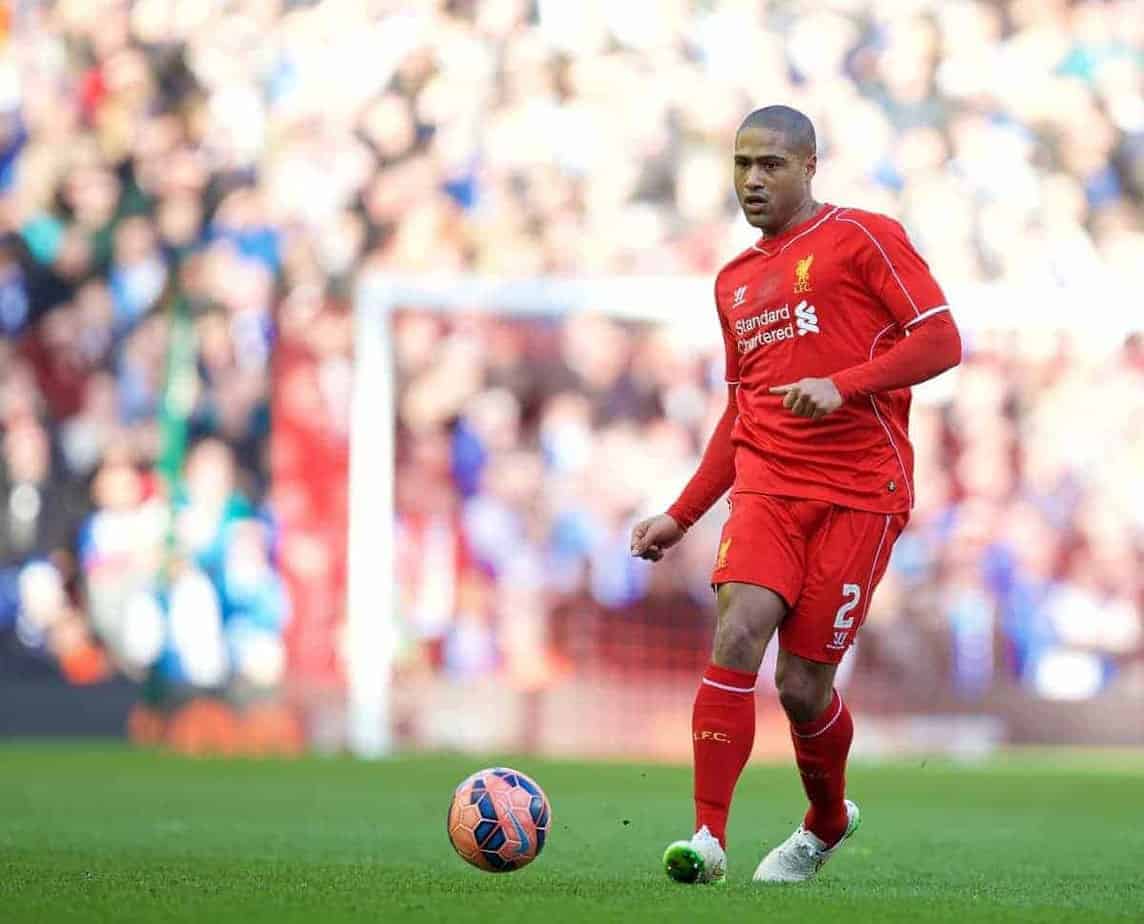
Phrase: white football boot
pixel 802 854
pixel 700 859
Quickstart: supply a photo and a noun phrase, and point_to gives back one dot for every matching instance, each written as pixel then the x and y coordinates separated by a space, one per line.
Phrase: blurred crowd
pixel 253 156
pixel 116 220
pixel 534 136
pixel 529 449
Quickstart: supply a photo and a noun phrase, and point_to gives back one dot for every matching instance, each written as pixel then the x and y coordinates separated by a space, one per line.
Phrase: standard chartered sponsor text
pixel 770 316
pixel 766 326
pixel 766 336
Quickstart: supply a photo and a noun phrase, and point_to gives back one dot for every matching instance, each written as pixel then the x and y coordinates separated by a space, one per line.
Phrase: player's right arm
pixel 713 478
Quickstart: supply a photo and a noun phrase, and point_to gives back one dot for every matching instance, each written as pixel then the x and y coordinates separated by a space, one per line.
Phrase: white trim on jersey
pixel 926 314
pixel 873 568
pixel 889 263
pixel 830 214
pixel 886 429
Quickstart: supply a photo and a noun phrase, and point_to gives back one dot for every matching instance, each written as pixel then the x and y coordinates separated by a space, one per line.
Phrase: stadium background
pixel 195 197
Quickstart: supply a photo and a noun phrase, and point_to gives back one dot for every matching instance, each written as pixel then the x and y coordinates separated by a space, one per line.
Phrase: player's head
pixel 775 159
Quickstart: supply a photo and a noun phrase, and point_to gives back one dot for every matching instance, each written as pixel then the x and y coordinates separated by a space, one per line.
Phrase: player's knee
pixel 740 639
pixel 748 616
pixel 738 642
pixel 801 695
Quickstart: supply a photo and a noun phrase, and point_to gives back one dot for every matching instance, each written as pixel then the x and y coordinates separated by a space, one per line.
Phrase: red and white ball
pixel 499 820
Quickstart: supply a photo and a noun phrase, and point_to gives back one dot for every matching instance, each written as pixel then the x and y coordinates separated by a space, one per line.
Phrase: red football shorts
pixel 823 560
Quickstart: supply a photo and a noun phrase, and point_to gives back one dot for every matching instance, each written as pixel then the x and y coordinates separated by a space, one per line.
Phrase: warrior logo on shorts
pixel 802 274
pixel 721 560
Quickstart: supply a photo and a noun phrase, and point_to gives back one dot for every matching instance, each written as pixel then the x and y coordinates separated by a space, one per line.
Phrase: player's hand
pixel 812 398
pixel 653 536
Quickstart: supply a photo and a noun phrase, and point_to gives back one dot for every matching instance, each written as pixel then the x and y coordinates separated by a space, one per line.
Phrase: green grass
pixel 90 834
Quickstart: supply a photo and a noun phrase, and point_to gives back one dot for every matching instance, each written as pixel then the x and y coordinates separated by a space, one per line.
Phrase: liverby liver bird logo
pixel 721 559
pixel 802 274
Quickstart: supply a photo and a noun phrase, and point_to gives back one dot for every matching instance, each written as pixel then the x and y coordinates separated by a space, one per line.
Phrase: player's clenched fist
pixel 652 536
pixel 809 397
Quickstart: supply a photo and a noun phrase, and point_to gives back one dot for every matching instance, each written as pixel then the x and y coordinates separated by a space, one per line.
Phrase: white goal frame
pixel 371 604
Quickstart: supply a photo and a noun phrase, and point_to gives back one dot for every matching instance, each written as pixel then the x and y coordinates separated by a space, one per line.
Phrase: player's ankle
pixel 715 823
pixel 827 825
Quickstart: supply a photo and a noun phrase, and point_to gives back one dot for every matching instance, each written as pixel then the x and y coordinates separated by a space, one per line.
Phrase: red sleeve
pixel 926 351
pixel 716 472
pixel 892 269
pixel 730 345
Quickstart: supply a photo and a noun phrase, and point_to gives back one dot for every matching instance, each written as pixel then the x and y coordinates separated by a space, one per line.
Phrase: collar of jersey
pixel 775 244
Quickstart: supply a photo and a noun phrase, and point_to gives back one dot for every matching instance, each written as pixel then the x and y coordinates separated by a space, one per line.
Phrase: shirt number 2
pixel 852 593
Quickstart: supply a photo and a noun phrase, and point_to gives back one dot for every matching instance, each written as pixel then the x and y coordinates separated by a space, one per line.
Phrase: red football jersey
pixel 833 292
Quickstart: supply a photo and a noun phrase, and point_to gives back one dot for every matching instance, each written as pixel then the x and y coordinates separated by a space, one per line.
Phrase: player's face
pixel 772 182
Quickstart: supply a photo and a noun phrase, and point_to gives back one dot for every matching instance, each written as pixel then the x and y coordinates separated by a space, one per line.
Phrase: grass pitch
pixel 91 834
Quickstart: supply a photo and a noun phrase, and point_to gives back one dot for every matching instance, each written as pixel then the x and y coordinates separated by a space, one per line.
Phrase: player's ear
pixel 811 165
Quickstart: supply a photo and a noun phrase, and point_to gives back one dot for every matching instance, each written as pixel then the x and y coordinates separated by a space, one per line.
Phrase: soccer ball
pixel 499 820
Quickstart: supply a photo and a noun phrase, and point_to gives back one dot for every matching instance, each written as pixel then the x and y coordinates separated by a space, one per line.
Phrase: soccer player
pixel 828 319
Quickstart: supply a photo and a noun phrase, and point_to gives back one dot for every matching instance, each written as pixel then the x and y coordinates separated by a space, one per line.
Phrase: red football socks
pixel 820 748
pixel 722 733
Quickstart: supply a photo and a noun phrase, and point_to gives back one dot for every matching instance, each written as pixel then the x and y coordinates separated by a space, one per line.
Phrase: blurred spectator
pixel 255 608
pixel 120 550
pixel 39 509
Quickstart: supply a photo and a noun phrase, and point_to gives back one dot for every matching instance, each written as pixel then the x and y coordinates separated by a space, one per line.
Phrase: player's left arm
pixel 899 278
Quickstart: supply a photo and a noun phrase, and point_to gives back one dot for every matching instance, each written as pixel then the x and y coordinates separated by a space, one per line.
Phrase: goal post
pixel 371 613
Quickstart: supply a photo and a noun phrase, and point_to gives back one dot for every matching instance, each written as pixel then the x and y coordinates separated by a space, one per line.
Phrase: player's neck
pixel 803 213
